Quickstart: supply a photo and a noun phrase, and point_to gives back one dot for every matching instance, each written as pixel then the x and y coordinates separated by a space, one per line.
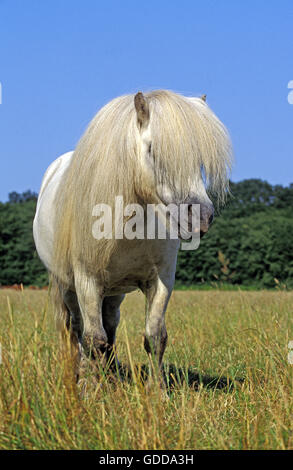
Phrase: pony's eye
pixel 150 148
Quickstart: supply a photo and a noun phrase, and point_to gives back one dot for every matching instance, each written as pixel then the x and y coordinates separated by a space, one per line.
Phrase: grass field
pixel 242 336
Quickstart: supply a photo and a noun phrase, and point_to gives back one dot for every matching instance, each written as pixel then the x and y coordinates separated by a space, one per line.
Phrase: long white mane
pixel 187 139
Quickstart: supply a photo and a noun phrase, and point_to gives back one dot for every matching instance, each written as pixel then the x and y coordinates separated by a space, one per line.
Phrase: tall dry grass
pixel 212 335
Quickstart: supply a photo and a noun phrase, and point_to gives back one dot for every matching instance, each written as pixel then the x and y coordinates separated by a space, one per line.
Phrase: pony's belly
pixel 120 290
pixel 129 283
pixel 138 264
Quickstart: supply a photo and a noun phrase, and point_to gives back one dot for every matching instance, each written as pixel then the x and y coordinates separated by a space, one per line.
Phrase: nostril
pixel 211 219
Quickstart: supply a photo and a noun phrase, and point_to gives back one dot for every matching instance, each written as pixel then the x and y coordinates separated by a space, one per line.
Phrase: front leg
pixel 157 297
pixel 94 338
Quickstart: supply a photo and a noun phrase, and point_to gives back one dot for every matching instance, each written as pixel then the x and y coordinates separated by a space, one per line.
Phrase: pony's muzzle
pixel 197 221
pixel 206 218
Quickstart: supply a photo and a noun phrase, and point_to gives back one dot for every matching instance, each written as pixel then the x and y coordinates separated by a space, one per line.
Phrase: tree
pixel 19 262
pixel 250 243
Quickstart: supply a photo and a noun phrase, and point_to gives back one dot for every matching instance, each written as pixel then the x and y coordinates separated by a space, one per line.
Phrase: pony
pixel 157 147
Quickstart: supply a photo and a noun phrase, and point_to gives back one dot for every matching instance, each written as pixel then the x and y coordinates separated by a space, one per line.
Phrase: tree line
pixel 249 243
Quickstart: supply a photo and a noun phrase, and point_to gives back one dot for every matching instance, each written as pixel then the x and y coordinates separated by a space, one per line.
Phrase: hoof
pixel 94 347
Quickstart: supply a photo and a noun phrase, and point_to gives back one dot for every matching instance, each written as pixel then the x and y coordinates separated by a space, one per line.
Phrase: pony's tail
pixel 61 313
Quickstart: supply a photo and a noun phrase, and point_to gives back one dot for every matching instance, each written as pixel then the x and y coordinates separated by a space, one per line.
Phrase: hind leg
pixel 111 317
pixel 74 326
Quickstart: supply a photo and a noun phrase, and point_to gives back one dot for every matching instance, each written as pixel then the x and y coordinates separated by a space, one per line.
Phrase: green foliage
pixel 249 244
pixel 19 262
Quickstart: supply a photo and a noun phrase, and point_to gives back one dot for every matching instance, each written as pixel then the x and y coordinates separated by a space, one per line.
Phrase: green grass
pixel 226 286
pixel 212 334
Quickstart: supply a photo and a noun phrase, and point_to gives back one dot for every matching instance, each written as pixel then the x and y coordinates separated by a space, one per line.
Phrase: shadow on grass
pixel 177 376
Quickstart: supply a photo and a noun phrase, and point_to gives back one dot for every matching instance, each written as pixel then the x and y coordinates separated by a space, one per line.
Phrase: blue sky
pixel 61 60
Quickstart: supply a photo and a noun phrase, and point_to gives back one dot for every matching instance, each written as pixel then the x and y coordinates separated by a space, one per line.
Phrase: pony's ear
pixel 203 97
pixel 142 109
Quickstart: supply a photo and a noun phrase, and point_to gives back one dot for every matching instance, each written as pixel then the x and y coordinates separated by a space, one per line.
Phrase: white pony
pixel 158 147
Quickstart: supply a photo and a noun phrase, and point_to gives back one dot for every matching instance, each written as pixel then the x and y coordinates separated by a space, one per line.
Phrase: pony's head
pixel 149 148
pixel 183 150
